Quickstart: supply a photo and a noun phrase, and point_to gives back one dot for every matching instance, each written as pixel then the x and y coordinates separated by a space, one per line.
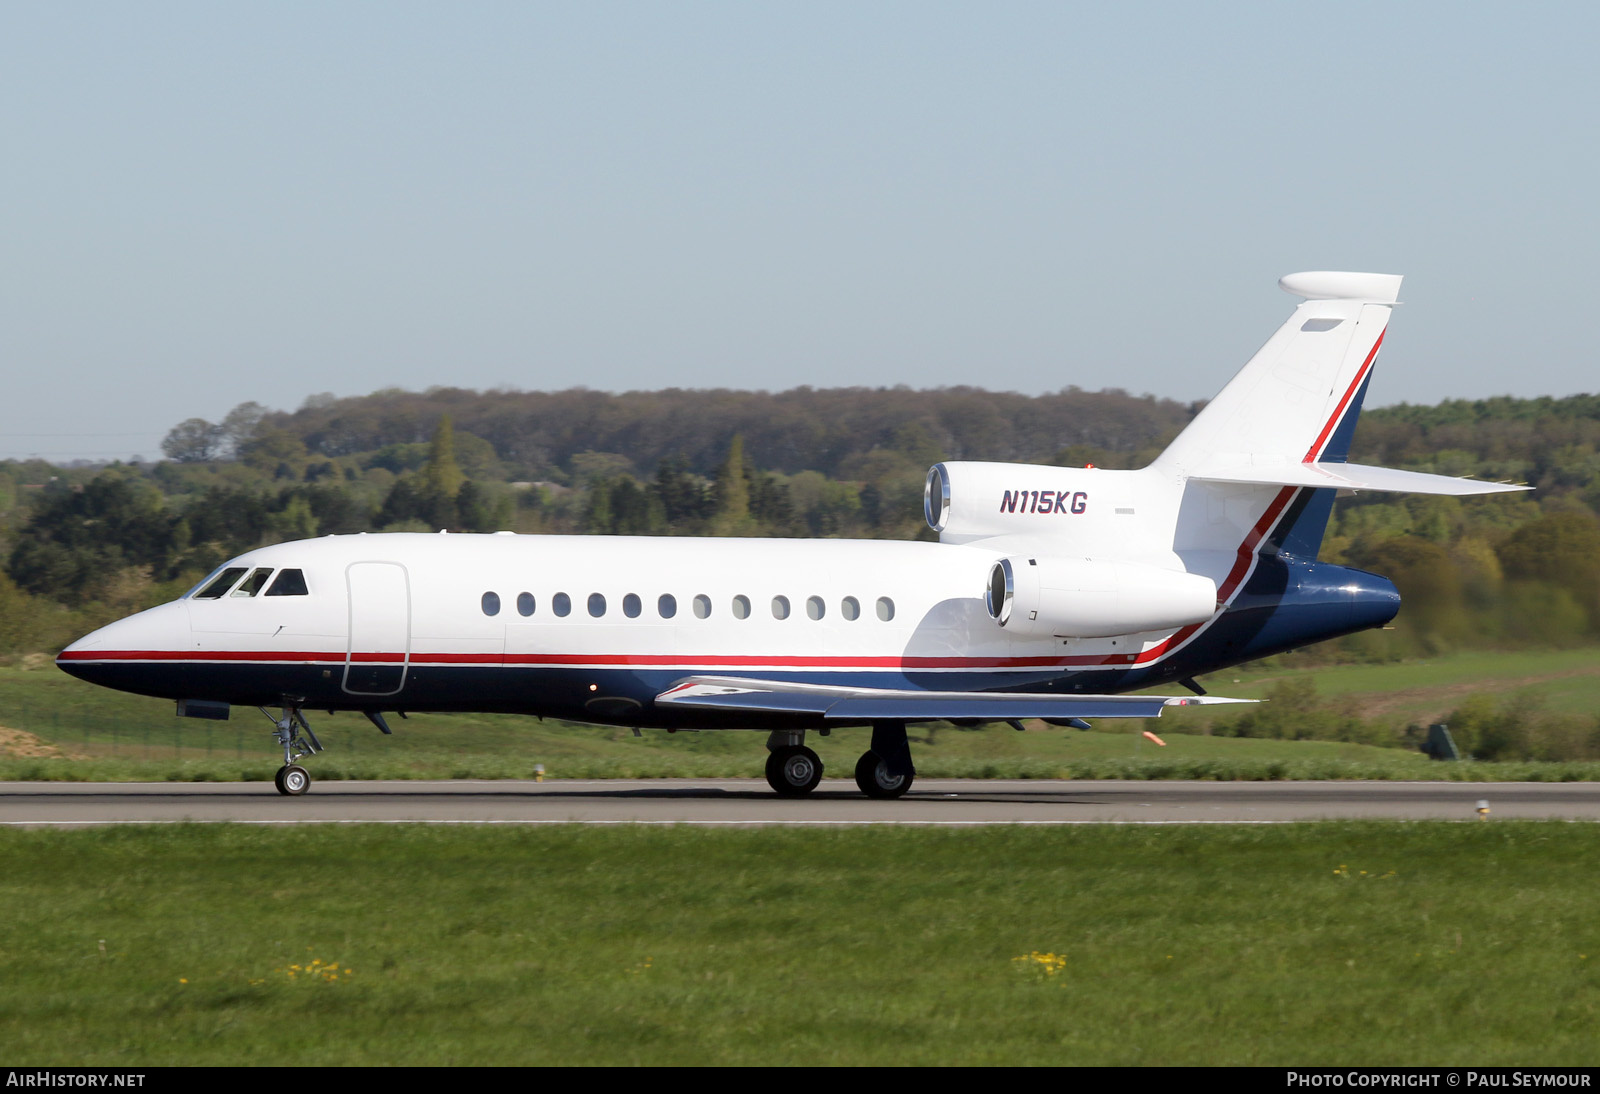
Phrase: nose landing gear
pixel 291 778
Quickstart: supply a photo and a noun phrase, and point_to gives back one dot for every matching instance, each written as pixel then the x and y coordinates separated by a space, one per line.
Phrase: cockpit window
pixel 251 585
pixel 223 582
pixel 289 583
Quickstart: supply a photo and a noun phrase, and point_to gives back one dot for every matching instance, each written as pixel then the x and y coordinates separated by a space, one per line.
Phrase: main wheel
pixel 793 772
pixel 872 776
pixel 292 780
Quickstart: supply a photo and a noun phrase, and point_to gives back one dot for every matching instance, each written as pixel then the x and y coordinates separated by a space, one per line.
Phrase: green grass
pixel 1330 944
pixel 1426 690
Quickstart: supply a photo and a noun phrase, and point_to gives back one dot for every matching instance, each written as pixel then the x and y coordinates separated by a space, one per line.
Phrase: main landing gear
pixel 883 772
pixel 872 776
pixel 793 770
pixel 292 779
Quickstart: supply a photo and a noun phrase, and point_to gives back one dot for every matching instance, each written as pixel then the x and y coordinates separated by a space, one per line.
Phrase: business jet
pixel 1053 593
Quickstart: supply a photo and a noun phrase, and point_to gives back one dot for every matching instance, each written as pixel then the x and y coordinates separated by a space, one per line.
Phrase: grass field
pixel 55 727
pixel 1425 691
pixel 1320 944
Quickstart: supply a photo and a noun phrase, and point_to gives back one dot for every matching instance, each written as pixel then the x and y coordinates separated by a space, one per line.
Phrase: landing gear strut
pixel 292 779
pixel 793 770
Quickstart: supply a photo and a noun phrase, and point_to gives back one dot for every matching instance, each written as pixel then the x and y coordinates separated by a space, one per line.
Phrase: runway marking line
pixel 718 823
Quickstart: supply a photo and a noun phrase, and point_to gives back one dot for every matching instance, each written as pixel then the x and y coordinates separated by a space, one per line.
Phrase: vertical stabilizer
pixel 1295 402
pixel 1289 401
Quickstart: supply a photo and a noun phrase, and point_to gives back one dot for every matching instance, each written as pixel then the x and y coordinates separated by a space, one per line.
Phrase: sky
pixel 203 204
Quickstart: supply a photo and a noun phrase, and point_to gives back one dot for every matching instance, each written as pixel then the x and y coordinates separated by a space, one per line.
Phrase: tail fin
pixel 1264 459
pixel 1298 398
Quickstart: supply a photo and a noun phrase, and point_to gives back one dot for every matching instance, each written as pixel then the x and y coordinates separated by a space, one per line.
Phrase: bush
pixel 1295 712
pixel 1517 728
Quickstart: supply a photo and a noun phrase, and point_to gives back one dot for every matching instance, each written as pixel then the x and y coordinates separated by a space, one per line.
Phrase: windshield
pixel 219 585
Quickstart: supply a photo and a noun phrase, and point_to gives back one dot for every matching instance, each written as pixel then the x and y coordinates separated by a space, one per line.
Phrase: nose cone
pixel 132 653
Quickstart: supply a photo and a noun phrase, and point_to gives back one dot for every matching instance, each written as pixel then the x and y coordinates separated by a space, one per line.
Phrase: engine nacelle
pixel 1094 598
pixel 967 501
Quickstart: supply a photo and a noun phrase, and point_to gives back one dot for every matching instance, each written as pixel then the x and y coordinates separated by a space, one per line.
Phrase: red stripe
pixel 205 655
pixel 892 662
pixel 1361 374
pixel 705 661
pixel 1243 558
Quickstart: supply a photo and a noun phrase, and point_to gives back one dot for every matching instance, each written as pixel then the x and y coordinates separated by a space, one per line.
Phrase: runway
pixel 748 802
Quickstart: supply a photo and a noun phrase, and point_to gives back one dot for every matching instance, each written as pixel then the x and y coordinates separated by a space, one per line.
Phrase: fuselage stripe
pixel 685 661
pixel 1243 565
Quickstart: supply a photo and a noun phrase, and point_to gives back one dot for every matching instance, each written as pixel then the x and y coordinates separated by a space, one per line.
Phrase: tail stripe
pixel 1244 564
pixel 1355 385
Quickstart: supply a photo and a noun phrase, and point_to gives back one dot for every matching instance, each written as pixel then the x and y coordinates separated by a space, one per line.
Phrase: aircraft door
pixel 379 652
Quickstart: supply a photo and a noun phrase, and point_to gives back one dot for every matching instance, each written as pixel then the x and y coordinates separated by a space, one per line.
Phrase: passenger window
pixel 667 605
pixel 597 605
pixel 491 603
pixel 885 608
pixel 702 606
pixel 561 604
pixel 525 604
pixel 222 584
pixel 741 607
pixel 814 607
pixel 780 607
pixel 251 585
pixel 288 583
pixel 850 608
pixel 631 606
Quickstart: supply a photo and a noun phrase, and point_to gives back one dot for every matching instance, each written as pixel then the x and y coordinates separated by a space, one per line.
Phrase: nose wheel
pixel 292 779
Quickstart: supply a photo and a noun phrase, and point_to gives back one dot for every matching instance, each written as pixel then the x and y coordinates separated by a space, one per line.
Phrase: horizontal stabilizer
pixel 1350 476
pixel 849 704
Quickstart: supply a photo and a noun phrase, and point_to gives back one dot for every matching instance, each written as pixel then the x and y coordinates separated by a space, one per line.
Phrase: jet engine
pixel 1094 598
pixel 967 500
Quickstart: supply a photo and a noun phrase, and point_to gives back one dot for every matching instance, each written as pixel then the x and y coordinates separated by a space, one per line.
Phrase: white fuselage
pixel 449 621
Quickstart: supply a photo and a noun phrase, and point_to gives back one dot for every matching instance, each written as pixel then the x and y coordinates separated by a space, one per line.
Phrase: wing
pixel 846 704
